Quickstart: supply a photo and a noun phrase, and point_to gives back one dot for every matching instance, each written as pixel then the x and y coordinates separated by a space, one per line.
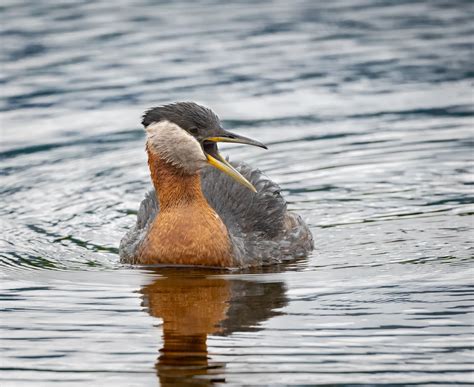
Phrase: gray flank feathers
pixel 261 229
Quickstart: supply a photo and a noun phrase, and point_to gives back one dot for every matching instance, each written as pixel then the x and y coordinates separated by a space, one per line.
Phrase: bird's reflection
pixel 198 303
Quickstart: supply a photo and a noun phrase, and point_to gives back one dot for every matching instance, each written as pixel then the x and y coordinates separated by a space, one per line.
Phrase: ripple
pixel 367 110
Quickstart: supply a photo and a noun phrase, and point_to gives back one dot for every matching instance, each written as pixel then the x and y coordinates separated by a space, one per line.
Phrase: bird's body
pixel 196 215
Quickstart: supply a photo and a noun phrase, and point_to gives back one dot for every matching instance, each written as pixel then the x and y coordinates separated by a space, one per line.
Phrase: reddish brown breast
pixel 186 231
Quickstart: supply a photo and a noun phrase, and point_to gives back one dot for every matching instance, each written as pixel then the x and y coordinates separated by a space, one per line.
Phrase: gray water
pixel 366 107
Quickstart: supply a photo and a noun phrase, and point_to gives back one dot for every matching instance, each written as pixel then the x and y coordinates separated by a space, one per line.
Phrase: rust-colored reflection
pixel 190 308
pixel 195 304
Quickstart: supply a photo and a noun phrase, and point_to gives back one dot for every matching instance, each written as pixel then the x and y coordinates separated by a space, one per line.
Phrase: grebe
pixel 197 215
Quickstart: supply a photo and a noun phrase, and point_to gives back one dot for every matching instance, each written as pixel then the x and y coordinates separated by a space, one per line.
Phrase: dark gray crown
pixel 187 115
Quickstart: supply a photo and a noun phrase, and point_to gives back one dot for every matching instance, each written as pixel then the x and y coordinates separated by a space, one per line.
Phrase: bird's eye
pixel 194 130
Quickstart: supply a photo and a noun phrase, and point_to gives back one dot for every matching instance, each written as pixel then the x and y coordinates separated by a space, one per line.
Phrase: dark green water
pixel 366 107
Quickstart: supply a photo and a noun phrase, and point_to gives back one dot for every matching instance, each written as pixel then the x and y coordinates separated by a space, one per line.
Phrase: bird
pixel 205 210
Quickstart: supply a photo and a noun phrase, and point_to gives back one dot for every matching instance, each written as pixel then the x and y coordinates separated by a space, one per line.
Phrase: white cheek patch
pixel 175 145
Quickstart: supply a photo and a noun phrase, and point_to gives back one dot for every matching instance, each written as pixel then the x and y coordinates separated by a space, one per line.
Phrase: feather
pixel 261 229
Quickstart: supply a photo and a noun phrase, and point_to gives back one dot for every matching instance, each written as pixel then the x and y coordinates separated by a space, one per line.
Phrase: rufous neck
pixel 174 187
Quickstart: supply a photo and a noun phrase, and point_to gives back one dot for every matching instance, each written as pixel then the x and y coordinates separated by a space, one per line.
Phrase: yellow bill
pixel 227 168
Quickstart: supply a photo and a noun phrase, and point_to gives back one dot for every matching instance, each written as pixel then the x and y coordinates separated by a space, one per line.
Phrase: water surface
pixel 366 107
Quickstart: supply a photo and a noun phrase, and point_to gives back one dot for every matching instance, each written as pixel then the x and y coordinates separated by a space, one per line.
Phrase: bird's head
pixel 186 135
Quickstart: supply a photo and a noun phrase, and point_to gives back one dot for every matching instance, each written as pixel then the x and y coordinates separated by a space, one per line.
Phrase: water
pixel 367 110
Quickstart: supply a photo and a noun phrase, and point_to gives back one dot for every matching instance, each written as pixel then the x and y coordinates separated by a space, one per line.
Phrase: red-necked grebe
pixel 197 215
